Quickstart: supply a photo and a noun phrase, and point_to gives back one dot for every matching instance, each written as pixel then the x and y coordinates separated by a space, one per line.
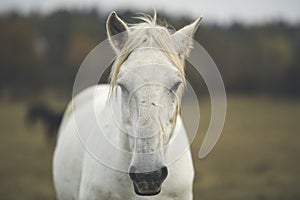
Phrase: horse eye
pixel 175 87
pixel 123 87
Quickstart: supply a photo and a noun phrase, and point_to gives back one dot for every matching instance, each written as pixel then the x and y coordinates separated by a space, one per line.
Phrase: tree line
pixel 44 51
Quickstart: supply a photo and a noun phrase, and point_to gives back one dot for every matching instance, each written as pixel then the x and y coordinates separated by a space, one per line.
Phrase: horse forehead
pixel 147 56
pixel 152 67
pixel 150 78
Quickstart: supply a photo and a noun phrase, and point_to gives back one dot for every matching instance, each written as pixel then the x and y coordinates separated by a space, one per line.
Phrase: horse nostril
pixel 164 173
pixel 132 173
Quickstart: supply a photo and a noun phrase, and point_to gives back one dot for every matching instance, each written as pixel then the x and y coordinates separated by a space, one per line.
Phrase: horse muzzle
pixel 149 183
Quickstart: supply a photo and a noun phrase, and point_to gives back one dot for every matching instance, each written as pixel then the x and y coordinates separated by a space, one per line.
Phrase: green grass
pixel 257 156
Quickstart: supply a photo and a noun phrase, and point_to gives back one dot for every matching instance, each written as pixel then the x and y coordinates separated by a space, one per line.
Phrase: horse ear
pixel 183 38
pixel 117 31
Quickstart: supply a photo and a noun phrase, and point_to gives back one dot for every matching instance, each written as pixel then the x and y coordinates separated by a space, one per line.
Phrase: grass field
pixel 257 156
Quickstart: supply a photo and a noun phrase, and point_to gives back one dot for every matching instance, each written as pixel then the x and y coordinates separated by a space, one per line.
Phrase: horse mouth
pixel 146 189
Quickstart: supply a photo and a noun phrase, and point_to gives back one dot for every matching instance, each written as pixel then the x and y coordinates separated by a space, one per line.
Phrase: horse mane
pixel 141 34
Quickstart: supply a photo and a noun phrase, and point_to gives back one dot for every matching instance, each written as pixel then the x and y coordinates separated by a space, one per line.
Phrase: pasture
pixel 257 156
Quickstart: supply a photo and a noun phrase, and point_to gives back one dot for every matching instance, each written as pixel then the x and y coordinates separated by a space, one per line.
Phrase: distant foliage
pixel 40 51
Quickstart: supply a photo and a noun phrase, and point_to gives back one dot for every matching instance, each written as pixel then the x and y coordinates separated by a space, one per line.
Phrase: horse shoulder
pixel 69 151
pixel 83 98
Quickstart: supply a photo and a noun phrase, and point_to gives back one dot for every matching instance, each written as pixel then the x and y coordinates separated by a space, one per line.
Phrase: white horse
pixel 138 114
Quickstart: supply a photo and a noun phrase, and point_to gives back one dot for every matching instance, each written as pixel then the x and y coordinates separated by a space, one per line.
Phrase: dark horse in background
pixel 50 119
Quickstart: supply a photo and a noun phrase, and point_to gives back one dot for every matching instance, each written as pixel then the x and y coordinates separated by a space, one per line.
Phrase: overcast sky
pixel 249 11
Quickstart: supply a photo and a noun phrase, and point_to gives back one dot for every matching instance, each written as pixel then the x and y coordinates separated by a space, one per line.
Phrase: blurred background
pixel 255 44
